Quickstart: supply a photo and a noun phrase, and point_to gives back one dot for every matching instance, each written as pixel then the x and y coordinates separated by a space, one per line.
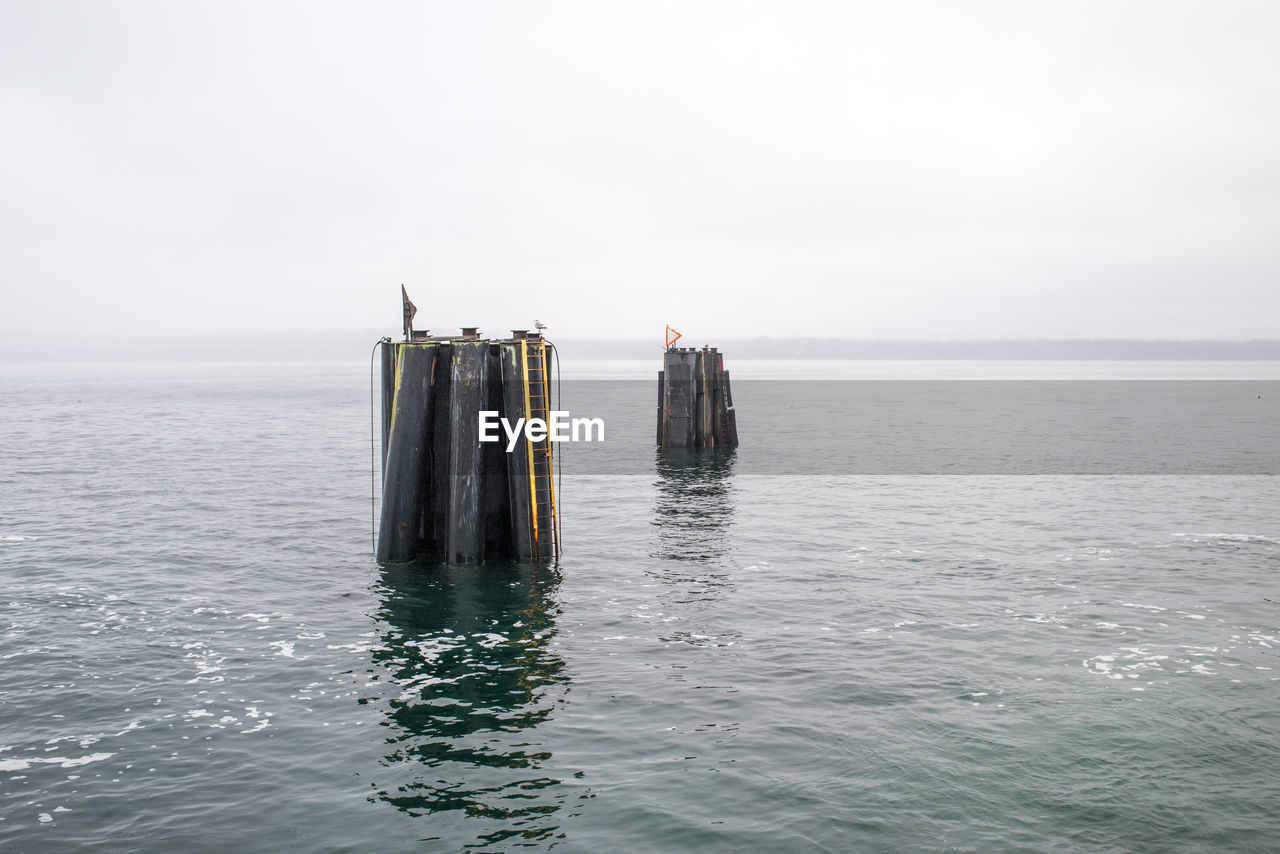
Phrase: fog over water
pixel 917 170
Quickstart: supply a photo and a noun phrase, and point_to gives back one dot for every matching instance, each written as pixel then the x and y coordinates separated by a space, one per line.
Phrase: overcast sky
pixel 875 170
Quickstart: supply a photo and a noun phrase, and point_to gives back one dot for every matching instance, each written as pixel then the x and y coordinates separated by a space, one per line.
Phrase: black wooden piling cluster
pixel 695 403
pixel 447 497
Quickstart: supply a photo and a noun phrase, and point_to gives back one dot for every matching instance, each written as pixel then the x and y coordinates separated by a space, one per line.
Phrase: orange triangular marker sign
pixel 671 340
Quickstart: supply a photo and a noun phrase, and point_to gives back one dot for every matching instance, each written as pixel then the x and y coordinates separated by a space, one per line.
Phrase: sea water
pixel 734 652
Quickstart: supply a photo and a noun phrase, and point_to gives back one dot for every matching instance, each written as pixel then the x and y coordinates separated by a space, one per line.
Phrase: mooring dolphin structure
pixel 695 401
pixel 446 496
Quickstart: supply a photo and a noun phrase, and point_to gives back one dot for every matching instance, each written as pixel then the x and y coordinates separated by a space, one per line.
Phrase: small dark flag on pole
pixel 409 311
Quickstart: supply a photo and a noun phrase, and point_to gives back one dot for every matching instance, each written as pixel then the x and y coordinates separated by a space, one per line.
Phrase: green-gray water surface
pixel 198 653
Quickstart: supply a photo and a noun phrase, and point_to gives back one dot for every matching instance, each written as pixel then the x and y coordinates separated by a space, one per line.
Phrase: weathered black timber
pixel 495 495
pixel 661 401
pixel 695 407
pixel 436 483
pixel 447 497
pixel 388 356
pixel 678 407
pixel 468 394
pixel 714 411
pixel 727 431
pixel 400 536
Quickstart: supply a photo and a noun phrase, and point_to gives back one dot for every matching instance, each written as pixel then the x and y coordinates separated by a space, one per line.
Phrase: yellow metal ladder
pixel 542 488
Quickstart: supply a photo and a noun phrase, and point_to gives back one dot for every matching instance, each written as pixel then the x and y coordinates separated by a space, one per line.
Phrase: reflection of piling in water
pixel 446 495
pixel 695 504
pixel 695 403
pixel 465 674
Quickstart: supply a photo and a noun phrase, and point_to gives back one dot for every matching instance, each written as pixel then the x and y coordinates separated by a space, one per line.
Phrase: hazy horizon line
pixel 346 345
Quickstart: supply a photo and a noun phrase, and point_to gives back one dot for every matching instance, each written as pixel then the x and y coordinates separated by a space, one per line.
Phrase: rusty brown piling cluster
pixel 695 402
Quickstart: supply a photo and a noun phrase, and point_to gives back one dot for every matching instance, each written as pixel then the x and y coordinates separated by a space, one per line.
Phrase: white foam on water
pixel 208 663
pixel 63 761
pixel 1128 665
pixel 353 647
pixel 1231 538
pixel 286 648
pixel 1052 619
